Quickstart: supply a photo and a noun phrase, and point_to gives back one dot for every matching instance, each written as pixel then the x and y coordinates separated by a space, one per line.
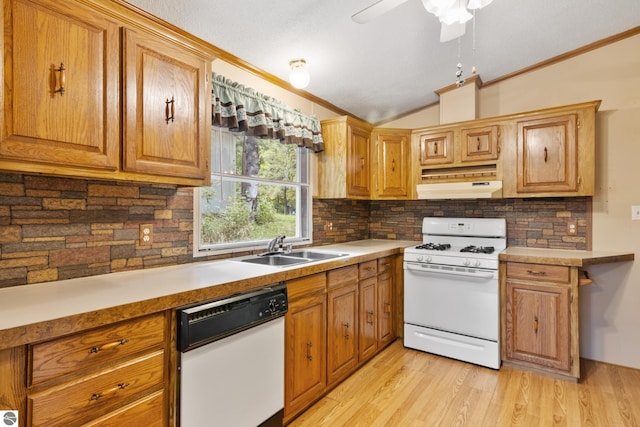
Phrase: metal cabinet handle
pixel 546 154
pixel 535 324
pixel 121 386
pixel 309 356
pixel 536 273
pixel 169 110
pixel 393 165
pixel 62 79
pixel 370 317
pixel 110 345
pixel 435 148
pixel 346 330
pixel 478 141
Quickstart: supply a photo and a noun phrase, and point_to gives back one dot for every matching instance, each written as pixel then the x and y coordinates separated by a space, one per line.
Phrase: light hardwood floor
pixel 403 387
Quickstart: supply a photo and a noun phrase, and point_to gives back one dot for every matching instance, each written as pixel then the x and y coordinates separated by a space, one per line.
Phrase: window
pixel 259 190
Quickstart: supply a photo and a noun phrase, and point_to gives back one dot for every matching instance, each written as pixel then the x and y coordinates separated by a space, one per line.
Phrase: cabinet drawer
pixel 342 276
pixel 306 285
pixel 541 272
pixel 385 265
pixel 74 353
pixel 96 395
pixel 367 269
pixel 148 412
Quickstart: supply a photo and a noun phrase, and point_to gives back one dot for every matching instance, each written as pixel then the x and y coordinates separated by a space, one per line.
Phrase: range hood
pixel 461 190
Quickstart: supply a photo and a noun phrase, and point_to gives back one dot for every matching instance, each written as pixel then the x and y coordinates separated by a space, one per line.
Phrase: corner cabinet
pixel 62 93
pixel 540 317
pixel 344 168
pixel 554 153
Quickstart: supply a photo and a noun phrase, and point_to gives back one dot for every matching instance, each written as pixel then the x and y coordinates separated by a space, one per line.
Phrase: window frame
pixel 302 183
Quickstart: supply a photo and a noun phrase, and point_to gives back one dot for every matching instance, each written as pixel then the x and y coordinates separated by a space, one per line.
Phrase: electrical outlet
pixel 635 213
pixel 572 228
pixel 146 234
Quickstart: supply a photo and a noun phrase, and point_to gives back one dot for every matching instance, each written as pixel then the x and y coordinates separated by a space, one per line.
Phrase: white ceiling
pixel 393 64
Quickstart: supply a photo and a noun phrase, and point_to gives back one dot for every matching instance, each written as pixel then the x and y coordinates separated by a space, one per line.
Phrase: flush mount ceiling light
pixel 299 75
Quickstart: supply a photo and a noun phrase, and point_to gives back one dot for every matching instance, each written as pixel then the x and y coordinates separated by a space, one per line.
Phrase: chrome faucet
pixel 275 245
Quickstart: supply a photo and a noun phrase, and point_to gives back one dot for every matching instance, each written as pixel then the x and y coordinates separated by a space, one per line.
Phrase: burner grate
pixel 478 249
pixel 434 246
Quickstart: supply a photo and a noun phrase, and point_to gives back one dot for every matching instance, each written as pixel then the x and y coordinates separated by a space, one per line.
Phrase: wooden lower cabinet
pixel 101 377
pixel 540 312
pixel 305 343
pixel 342 315
pixel 336 321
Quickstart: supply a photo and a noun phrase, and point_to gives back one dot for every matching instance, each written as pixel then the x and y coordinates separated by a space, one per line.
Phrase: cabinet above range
pixel 66 111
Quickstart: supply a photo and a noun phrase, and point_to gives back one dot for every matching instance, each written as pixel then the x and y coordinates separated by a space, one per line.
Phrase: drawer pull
pixel 536 273
pixel 309 356
pixel 121 386
pixel 346 330
pixel 170 110
pixel 62 79
pixel 535 324
pixel 114 344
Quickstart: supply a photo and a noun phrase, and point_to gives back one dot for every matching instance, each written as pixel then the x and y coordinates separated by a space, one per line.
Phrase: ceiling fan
pixel 453 14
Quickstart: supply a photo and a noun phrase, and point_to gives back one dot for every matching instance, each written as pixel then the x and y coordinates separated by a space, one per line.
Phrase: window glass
pixel 259 190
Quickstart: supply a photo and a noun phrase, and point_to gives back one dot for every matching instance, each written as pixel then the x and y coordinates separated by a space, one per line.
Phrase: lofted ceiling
pixel 393 64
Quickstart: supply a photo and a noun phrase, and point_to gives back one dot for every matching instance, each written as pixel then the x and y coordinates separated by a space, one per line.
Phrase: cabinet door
pixel 368 316
pixel 393 169
pixel 342 332
pixel 547 155
pixel 385 309
pixel 479 144
pixel 359 169
pixel 436 148
pixel 537 324
pixel 61 80
pixel 305 362
pixel 167 108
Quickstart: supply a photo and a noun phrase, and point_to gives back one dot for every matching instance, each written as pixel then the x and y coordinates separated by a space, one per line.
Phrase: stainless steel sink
pixel 277 260
pixel 292 258
pixel 314 255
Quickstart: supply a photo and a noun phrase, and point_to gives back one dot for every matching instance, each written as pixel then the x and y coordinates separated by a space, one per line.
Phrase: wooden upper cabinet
pixel 391 163
pixel 359 162
pixel 61 83
pixel 436 148
pixel 479 143
pixel 344 168
pixel 553 151
pixel 547 154
pixel 166 130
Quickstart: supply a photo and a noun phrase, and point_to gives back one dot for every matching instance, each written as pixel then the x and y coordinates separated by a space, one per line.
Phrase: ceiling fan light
pixel 454 15
pixel 437 7
pixel 478 4
pixel 299 75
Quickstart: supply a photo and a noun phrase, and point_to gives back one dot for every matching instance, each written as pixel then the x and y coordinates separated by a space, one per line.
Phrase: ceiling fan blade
pixel 376 9
pixel 451 31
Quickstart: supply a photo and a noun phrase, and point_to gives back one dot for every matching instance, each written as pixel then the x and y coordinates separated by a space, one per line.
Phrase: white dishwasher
pixel 231 364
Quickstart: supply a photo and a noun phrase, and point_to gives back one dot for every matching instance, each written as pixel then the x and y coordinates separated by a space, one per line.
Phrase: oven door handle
pixel 420 268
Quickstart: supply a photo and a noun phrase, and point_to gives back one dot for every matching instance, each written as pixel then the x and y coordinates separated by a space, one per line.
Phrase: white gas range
pixel 451 298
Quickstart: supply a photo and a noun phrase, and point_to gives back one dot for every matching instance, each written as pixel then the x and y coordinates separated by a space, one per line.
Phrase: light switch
pixel 635 212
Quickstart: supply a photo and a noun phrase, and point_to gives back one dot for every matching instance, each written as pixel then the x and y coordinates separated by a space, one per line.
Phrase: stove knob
pixel 420 258
pixel 476 263
pixel 428 259
pixel 466 262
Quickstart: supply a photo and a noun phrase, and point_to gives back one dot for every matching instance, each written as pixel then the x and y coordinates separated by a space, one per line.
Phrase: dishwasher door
pixel 236 381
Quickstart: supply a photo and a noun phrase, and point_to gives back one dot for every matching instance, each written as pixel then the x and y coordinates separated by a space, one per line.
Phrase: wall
pixel 608 308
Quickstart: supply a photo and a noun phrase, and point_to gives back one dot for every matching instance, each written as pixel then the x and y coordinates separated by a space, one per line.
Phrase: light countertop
pixel 572 258
pixel 32 312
